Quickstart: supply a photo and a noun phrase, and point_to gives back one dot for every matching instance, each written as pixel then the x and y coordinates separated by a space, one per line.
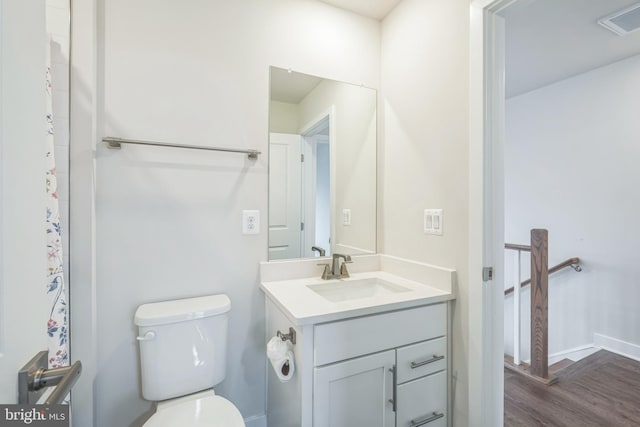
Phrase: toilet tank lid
pixel 161 313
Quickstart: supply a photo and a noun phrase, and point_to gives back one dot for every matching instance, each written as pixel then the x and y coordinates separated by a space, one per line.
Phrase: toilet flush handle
pixel 148 336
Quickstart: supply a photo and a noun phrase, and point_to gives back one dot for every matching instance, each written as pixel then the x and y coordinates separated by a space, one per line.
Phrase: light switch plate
pixel 346 216
pixel 433 221
pixel 250 222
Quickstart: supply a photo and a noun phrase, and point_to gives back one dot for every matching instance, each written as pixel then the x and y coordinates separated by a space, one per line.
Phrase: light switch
pixel 346 216
pixel 433 221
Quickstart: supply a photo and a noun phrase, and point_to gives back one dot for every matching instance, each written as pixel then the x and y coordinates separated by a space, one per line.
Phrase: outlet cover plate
pixel 250 222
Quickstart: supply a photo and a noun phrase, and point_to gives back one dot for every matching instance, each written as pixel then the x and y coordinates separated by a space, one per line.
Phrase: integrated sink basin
pixel 347 290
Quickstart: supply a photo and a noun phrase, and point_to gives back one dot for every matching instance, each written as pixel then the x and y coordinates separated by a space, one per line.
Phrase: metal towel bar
pixel 117 143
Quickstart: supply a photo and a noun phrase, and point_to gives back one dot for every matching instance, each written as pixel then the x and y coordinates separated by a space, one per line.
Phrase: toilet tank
pixel 183 345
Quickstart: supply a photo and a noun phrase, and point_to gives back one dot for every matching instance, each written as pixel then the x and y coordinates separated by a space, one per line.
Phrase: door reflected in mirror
pixel 322 167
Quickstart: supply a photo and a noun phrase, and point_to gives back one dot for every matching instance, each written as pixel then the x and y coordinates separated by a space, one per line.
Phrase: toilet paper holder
pixel 291 336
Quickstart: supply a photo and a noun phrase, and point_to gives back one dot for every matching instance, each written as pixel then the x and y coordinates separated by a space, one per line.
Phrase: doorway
pixel 488 158
pixel 316 189
pixel 300 192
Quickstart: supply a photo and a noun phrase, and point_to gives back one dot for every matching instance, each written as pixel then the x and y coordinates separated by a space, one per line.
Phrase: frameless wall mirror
pixel 322 167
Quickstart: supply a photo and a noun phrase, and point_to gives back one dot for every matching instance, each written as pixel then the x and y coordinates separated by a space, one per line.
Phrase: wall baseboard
pixel 572 353
pixel 256 421
pixel 617 346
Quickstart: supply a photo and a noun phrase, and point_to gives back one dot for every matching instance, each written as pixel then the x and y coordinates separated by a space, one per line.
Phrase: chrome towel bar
pixel 117 143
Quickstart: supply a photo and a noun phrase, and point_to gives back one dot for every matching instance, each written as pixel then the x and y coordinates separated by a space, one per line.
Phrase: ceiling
pixel 291 87
pixel 547 40
pixel 376 9
pixel 551 40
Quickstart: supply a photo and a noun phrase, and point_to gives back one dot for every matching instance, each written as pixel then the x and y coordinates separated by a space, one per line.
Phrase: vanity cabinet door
pixel 423 402
pixel 355 392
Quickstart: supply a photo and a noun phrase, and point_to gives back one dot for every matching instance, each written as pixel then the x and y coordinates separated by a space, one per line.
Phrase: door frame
pixel 486 211
pixel 305 131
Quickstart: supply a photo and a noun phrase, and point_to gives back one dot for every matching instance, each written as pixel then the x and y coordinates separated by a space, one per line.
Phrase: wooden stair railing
pixel 538 369
pixel 571 262
pixel 539 366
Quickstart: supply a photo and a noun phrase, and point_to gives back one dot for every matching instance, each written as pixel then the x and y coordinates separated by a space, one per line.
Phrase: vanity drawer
pixel 423 402
pixel 369 334
pixel 422 359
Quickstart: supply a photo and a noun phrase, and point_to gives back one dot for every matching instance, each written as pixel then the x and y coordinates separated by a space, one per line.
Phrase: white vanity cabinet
pixel 380 370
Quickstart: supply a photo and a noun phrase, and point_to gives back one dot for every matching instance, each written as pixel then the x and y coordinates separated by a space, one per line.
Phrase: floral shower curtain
pixel 57 324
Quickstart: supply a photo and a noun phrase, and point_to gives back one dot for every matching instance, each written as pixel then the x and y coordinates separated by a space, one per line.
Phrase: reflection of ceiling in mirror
pixel 291 87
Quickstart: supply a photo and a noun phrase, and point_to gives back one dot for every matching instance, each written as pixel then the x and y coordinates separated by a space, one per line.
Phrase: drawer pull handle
pixel 425 420
pixel 435 358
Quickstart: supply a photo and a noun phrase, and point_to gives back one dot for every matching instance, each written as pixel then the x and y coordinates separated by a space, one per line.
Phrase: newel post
pixel 539 303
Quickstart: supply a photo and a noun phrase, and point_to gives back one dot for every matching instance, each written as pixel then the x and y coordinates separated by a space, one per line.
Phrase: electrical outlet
pixel 433 221
pixel 250 222
pixel 346 216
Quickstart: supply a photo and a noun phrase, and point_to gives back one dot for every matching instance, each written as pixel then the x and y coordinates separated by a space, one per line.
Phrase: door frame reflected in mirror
pixel 316 208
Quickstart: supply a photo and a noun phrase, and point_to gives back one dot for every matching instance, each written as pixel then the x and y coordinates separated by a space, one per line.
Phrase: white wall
pixel 571 163
pixel 23 301
pixel 168 222
pixel 283 117
pixel 425 150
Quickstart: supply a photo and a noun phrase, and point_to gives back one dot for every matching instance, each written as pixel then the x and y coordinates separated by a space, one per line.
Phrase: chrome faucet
pixel 318 249
pixel 336 271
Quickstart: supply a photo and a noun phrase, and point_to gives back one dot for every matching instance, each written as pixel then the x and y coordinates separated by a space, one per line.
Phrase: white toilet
pixel 183 347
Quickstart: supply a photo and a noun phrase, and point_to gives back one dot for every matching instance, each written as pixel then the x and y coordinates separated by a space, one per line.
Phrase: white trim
pixel 516 308
pixel 571 350
pixel 84 128
pixel 574 354
pixel 617 346
pixel 306 129
pixel 2 168
pixel 486 222
pixel 308 195
pixel 566 354
pixel 256 421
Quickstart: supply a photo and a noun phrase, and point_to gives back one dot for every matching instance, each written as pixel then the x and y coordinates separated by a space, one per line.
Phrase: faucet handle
pixel 344 273
pixel 326 273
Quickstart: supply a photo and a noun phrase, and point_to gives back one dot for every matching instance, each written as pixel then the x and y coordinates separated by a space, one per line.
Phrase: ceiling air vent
pixel 624 21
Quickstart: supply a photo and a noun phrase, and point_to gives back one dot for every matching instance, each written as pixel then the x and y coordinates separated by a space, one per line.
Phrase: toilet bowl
pixel 183 347
pixel 196 410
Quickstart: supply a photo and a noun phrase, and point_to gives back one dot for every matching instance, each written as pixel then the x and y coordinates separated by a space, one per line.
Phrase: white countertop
pixel 304 306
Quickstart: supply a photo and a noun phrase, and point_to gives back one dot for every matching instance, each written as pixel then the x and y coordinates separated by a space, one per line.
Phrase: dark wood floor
pixel 601 390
